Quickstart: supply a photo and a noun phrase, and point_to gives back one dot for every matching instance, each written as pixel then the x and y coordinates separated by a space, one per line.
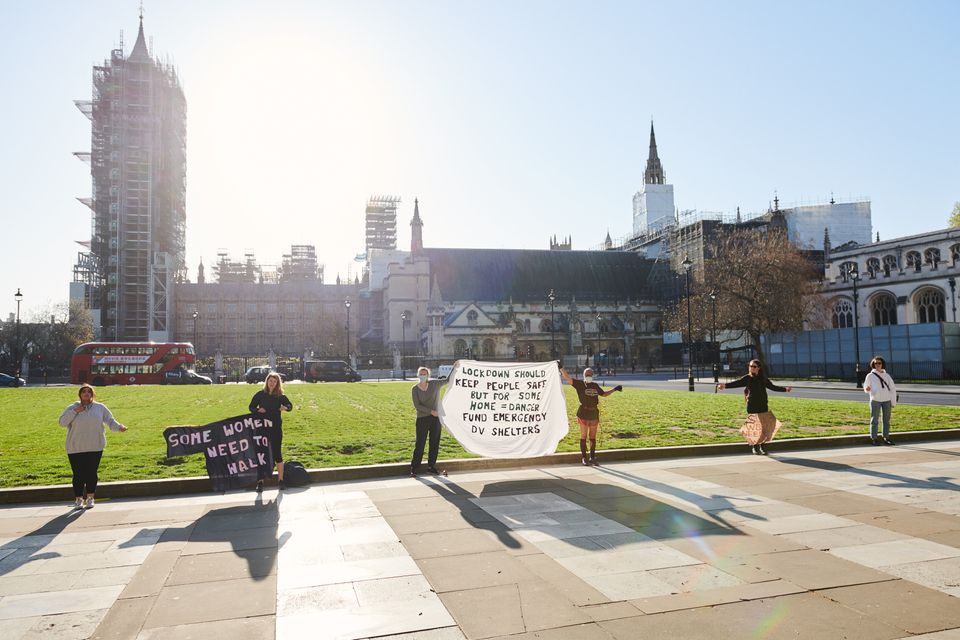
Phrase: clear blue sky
pixel 511 121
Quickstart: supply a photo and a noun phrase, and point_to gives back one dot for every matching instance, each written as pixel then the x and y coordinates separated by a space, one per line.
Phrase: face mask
pixel 588 379
pixel 424 378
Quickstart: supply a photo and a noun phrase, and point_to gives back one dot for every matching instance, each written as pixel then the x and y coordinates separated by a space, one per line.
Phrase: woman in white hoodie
pixel 84 422
pixel 883 397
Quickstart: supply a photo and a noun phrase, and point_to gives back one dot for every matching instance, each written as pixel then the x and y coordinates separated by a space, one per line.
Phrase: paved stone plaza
pixel 859 542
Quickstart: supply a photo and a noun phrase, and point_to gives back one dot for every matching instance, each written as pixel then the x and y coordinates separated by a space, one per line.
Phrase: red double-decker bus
pixel 101 363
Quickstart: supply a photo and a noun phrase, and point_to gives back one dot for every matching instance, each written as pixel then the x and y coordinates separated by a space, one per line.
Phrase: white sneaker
pixel 90 503
pixel 78 503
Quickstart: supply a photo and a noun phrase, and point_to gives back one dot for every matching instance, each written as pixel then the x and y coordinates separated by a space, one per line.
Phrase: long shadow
pixel 460 498
pixel 943 452
pixel 719 503
pixel 28 547
pixel 236 525
pixel 896 481
pixel 632 510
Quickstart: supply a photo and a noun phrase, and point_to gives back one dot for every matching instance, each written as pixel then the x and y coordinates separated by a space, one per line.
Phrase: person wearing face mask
pixel 426 399
pixel 84 422
pixel 588 415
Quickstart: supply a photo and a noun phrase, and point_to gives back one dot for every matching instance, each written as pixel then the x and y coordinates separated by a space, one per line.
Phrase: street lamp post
pixel 403 344
pixel 553 350
pixel 347 303
pixel 196 345
pixel 16 357
pixel 596 356
pixel 713 339
pixel 686 272
pixel 953 295
pixel 855 276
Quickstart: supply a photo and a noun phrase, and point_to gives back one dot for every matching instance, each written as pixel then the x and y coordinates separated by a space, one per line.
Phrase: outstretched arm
pixel 774 387
pixel 566 376
pixel 742 382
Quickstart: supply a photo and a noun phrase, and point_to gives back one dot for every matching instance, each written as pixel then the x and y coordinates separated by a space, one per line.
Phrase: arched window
pixel 930 305
pixel 932 257
pixel 460 349
pixel 914 261
pixel 883 306
pixel 889 264
pixel 526 326
pixel 873 267
pixel 488 348
pixel 847 268
pixel 545 325
pixel 472 317
pixel 955 254
pixel 842 314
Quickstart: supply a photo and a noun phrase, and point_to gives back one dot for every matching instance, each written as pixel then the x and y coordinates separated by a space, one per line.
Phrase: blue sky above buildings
pixel 510 121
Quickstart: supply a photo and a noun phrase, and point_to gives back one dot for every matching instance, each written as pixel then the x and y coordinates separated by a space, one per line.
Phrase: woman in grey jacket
pixel 84 422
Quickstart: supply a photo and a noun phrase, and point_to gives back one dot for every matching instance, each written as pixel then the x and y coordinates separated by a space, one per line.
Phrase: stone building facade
pixel 908 280
pixel 442 304
pixel 253 319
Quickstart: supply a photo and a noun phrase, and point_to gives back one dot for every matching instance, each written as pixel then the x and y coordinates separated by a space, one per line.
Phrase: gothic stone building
pixel 441 304
pixel 908 280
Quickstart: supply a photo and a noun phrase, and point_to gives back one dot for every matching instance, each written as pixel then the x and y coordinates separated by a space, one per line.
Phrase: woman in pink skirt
pixel 761 425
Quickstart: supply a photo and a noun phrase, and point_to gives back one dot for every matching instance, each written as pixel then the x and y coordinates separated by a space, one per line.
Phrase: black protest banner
pixel 237 449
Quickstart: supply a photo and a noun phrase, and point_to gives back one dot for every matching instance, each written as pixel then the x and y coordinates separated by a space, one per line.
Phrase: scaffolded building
pixel 138 163
pixel 381 221
pixel 301 264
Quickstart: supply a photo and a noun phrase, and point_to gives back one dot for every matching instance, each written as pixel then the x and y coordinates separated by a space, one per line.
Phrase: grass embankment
pixel 366 423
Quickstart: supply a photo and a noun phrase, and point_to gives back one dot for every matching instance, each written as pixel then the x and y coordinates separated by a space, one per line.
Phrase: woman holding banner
pixel 588 415
pixel 84 422
pixel 270 401
pixel 426 400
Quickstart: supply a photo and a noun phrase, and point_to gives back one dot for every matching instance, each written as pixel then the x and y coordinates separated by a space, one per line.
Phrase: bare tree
pixel 761 282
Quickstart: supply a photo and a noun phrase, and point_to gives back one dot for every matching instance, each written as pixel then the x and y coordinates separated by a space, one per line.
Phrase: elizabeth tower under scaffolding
pixel 138 162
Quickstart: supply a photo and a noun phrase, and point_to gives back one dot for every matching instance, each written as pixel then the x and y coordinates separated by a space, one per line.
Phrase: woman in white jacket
pixel 84 422
pixel 883 397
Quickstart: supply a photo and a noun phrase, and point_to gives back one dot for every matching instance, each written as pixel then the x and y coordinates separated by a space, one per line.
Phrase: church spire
pixel 654 172
pixel 140 51
pixel 416 233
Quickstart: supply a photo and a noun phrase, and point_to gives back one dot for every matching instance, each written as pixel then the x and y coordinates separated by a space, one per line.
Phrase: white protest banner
pixel 505 409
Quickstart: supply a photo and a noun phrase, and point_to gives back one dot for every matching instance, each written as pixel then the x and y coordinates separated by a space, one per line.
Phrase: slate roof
pixel 526 275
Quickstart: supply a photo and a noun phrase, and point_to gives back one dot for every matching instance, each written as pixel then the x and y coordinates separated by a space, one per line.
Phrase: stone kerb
pixel 175 486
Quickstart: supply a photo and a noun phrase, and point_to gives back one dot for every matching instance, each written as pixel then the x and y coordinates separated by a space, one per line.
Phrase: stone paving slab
pixel 854 543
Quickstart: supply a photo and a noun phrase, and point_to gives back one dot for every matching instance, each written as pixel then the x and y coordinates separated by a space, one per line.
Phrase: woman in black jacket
pixel 270 401
pixel 761 425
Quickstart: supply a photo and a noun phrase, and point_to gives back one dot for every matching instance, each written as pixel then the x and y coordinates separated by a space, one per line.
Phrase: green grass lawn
pixel 366 423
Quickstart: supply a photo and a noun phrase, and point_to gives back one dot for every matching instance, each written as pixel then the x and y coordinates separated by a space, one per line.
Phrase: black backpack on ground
pixel 295 475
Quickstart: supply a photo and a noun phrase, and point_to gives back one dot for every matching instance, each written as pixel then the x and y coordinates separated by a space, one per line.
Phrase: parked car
pixel 329 371
pixel 11 381
pixel 259 374
pixel 184 376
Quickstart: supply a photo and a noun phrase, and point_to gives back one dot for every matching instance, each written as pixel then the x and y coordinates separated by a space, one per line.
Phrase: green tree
pixel 954 220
